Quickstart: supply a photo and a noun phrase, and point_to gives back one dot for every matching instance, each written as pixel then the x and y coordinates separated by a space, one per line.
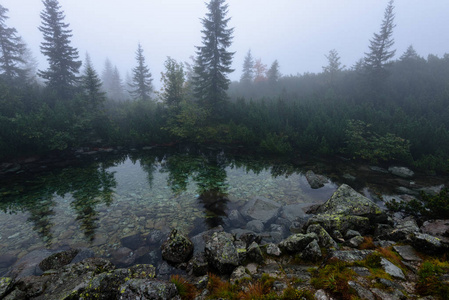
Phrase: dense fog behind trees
pixel 385 107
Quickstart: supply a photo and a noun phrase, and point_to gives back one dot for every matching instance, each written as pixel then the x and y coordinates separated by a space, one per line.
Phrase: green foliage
pixel 430 280
pixel 365 144
pixel 141 80
pixel 277 144
pixel 429 207
pixel 334 277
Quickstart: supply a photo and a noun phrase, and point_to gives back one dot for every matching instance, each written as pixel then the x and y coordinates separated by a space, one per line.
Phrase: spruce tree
pixel 141 79
pixel 248 69
pixel 213 61
pixel 273 73
pixel 380 54
pixel 92 86
pixel 333 67
pixel 61 56
pixel 173 80
pixel 12 51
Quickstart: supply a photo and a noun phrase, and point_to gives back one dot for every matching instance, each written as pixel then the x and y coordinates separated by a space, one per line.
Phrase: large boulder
pixel 346 201
pixel 177 248
pixel 148 289
pixel 324 238
pixel 221 252
pixel 261 209
pixel 340 222
pixel 401 172
pixel 297 242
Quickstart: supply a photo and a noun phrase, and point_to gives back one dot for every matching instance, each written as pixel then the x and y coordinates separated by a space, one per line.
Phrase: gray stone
pixel 221 252
pixel 325 240
pixel 199 240
pixel 123 257
pixel 342 223
pixel 350 255
pixel 351 233
pixel 437 228
pixel 346 201
pixel 356 241
pixel 236 219
pixel 255 226
pixel 292 212
pixel 7 260
pixel 29 264
pixel 378 169
pixel 362 292
pixel 148 289
pixel 261 209
pixel 315 181
pixel 391 269
pixel 312 252
pixel 6 285
pixel 273 250
pixel 198 265
pixel 254 254
pixel 361 271
pixel 404 230
pixel 82 255
pixel 322 295
pixel 407 253
pixel 428 243
pixel 58 260
pixel 177 248
pixel 432 190
pixel 402 172
pixel 386 295
pixel 238 274
pixel 297 242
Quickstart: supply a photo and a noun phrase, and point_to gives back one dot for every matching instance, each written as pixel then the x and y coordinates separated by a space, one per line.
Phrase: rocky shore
pixel 346 248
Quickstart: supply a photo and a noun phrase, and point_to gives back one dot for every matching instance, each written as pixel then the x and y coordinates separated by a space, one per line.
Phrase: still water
pixel 108 198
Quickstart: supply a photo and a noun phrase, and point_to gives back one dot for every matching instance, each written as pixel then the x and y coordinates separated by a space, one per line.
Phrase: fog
pixel 297 33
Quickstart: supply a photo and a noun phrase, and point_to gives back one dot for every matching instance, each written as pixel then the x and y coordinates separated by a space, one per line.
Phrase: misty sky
pixel 298 33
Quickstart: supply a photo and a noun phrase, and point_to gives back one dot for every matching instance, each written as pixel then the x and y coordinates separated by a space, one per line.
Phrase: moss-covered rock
pixel 221 252
pixel 297 242
pixel 177 248
pixel 340 222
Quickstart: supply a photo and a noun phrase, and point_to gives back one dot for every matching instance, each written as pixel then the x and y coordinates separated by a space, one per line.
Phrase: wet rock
pixel 312 252
pixel 261 209
pixel 148 289
pixel 438 228
pixel 342 223
pixel 356 241
pixel 29 264
pixel 292 212
pixel 402 172
pixel 273 250
pixel 132 241
pixel 407 253
pixel 254 254
pixel 428 243
pixel 249 238
pixel 221 252
pixel 362 292
pixel 239 274
pixel 404 230
pixel 198 265
pixel 57 260
pixel 391 269
pixel 297 242
pixel 350 255
pixel 177 248
pixel 7 260
pixel 123 257
pixel 236 219
pixel 315 181
pixel 255 226
pixel 82 255
pixel 6 285
pixel 156 237
pixel 351 233
pixel 324 239
pixel 199 240
pixel 346 201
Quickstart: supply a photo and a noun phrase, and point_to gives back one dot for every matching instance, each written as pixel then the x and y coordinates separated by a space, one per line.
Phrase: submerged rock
pixel 58 260
pixel 177 248
pixel 261 209
pixel 315 181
